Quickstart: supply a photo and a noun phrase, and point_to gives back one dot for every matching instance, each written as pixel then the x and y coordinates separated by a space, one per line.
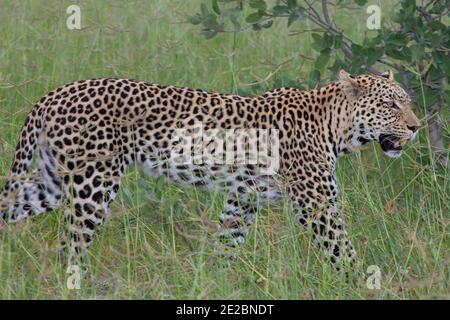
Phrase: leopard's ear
pixel 351 87
pixel 388 75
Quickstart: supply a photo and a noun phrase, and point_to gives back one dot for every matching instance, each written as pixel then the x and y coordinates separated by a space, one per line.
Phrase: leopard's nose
pixel 413 128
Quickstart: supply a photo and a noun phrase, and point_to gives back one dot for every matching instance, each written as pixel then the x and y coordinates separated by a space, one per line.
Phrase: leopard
pixel 78 141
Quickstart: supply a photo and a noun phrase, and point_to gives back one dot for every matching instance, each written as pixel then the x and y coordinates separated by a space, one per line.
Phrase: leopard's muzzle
pixel 391 145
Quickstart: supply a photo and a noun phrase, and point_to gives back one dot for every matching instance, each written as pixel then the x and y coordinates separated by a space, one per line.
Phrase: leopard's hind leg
pixel 236 218
pixel 31 194
pixel 248 192
pixel 91 192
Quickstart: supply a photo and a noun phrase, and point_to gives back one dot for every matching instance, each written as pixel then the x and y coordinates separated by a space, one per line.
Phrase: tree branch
pixel 326 15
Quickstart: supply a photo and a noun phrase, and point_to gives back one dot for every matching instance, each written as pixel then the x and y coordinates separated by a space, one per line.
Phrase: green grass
pixel 156 245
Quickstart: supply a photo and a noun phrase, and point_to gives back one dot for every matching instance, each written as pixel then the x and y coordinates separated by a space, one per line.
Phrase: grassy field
pixel 156 244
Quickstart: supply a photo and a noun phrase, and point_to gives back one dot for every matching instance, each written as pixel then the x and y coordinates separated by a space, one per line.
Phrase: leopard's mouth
pixel 391 145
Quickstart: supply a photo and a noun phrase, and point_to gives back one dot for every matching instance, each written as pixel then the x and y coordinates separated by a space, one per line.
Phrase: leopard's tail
pixel 17 192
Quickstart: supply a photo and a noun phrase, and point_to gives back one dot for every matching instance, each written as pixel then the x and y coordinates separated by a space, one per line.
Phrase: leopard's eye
pixel 395 105
pixel 392 104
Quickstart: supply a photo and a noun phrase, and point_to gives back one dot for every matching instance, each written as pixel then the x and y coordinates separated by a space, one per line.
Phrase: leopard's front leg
pixel 317 212
pixel 329 233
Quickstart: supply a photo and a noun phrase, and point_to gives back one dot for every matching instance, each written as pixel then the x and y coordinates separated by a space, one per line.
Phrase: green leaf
pixel 360 2
pixel 236 11
pixel 258 4
pixel 446 97
pixel 195 20
pixel 204 9
pixel 445 66
pixel 292 4
pixel 210 21
pixel 337 41
pixel 209 33
pixel 322 59
pixel 321 41
pixel 317 41
pixel 338 65
pixel 394 54
pixel 406 53
pixel 433 39
pixel 234 20
pixel 417 52
pixel 359 57
pixel 292 17
pixel 437 25
pixel 296 14
pixel 357 49
pixel 327 40
pixel 400 54
pixel 373 54
pixel 215 6
pixel 314 76
pixel 397 39
pixel 279 10
pixel 256 26
pixel 408 4
pixel 267 24
pixel 254 17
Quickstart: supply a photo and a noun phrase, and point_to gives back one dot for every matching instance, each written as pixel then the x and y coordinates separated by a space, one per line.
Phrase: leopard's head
pixel 380 111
